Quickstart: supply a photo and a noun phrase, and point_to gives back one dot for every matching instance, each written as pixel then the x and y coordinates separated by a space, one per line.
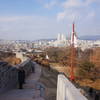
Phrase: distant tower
pixel 73 52
pixel 74 37
pixel 59 37
pixel 63 38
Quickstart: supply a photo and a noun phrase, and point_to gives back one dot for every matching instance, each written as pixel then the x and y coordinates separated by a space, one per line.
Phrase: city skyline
pixel 37 19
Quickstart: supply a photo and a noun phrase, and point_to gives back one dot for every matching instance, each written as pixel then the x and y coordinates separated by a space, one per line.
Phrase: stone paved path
pixel 30 91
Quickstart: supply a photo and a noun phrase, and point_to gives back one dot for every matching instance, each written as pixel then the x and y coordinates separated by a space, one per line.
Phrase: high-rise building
pixel 61 37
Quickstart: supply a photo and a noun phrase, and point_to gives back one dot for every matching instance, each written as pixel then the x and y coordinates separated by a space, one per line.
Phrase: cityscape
pixel 50 50
pixel 60 41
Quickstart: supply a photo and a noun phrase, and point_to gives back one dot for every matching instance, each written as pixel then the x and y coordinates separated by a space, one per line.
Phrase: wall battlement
pixel 9 74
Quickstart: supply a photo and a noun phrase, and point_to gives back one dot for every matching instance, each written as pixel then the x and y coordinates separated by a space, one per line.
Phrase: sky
pixel 44 19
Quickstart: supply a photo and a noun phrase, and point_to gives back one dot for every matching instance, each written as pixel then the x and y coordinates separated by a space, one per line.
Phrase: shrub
pixel 85 69
pixel 87 66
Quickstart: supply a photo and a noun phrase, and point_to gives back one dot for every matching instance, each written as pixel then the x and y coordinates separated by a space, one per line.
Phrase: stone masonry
pixel 9 74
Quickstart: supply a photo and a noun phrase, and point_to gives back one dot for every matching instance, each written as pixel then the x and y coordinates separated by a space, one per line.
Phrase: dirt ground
pixel 90 83
pixel 60 68
pixel 95 84
pixel 49 79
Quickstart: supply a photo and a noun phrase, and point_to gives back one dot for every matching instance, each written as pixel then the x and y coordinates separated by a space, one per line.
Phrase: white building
pixel 61 37
pixel 61 41
pixel 21 56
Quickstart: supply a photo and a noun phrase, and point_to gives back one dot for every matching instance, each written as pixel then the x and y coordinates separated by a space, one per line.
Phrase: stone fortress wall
pixel 66 90
pixel 9 74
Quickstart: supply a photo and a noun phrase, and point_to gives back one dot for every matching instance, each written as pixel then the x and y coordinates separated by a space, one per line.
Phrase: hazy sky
pixel 36 19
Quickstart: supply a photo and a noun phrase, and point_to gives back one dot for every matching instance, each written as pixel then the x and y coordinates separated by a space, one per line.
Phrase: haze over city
pixel 41 19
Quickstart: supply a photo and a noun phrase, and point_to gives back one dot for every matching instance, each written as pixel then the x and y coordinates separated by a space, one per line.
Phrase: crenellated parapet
pixel 9 74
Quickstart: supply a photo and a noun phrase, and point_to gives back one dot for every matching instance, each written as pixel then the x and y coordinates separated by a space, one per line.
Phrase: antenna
pixel 73 53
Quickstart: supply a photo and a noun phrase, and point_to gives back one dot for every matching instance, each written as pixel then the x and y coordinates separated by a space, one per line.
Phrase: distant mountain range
pixel 45 39
pixel 92 37
pixel 85 37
